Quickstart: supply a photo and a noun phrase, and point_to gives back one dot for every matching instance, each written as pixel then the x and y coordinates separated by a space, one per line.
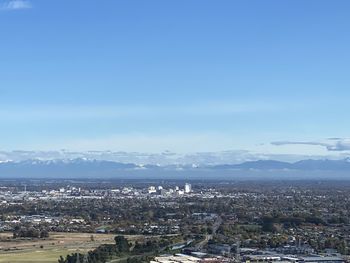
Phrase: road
pixel 208 237
pixel 199 246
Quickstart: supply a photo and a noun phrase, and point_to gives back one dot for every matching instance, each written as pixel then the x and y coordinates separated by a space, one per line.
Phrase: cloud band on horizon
pixel 333 144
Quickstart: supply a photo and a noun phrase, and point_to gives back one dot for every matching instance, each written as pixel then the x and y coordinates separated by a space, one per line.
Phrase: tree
pixel 268 224
pixel 122 244
pixel 44 234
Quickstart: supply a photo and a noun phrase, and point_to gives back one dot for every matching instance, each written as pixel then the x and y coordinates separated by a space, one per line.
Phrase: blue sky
pixel 182 75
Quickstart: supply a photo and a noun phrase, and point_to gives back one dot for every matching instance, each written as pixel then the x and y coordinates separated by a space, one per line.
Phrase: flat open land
pixel 48 250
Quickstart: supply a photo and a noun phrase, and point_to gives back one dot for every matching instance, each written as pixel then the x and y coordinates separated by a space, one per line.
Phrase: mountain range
pixel 81 167
pixel 307 165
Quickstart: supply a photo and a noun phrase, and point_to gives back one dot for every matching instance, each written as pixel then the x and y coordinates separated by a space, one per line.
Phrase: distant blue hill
pixel 258 165
pixel 76 167
pixel 306 165
pixel 100 169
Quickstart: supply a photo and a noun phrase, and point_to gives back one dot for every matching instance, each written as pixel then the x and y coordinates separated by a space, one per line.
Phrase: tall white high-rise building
pixel 188 188
pixel 152 190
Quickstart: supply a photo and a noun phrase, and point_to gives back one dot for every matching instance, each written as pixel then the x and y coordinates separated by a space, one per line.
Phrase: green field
pixel 58 244
pixel 43 256
pixel 49 250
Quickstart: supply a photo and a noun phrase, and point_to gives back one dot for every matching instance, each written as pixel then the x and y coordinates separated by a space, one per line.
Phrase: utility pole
pixel 85 259
pixel 238 251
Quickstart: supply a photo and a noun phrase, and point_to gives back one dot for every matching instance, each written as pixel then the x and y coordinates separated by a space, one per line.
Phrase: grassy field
pixel 32 256
pixel 48 250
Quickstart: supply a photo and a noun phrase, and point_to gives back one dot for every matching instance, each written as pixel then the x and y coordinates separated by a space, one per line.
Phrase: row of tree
pixel 29 232
pixel 104 253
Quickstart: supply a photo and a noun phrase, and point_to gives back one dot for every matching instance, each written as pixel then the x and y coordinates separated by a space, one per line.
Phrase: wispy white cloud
pixel 15 5
pixel 331 144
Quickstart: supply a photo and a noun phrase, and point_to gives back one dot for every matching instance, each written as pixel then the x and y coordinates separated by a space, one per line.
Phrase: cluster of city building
pixel 170 192
pixel 257 257
pixel 271 222
pixel 69 192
